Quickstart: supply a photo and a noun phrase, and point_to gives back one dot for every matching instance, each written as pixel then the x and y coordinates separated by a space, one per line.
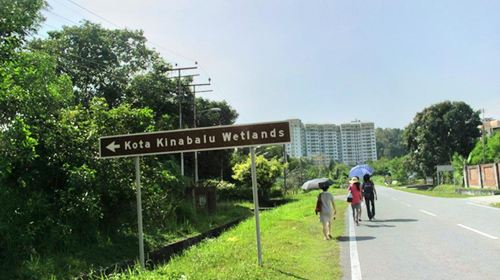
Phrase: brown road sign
pixel 197 139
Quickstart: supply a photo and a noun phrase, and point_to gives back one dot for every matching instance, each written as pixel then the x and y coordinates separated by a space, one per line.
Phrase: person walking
pixel 357 198
pixel 327 211
pixel 370 195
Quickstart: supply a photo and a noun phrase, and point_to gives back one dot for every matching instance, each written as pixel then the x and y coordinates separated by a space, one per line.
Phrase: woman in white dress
pixel 327 212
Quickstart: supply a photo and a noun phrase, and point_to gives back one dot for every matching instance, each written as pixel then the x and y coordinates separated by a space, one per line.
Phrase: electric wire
pixel 152 42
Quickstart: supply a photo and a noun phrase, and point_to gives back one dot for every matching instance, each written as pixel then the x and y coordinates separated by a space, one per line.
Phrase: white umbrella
pixel 316 184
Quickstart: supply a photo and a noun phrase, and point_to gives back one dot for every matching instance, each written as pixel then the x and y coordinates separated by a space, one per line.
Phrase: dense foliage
pixel 487 150
pixel 390 142
pixel 17 20
pixel 438 132
pixel 57 97
pixel 267 173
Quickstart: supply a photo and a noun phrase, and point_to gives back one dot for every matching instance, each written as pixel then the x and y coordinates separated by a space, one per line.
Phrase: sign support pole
pixel 139 210
pixel 256 205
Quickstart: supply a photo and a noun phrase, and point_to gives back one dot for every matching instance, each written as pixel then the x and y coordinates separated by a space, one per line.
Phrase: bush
pixel 267 173
pixel 229 191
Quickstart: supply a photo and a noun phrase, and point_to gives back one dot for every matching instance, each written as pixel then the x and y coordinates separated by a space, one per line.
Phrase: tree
pixel 100 62
pixel 214 164
pixel 267 173
pixel 31 97
pixel 439 131
pixel 18 18
pixel 389 142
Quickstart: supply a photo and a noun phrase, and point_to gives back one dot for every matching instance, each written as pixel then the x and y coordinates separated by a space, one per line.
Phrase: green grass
pixel 495 205
pixel 292 246
pixel 107 250
pixel 338 191
pixel 438 191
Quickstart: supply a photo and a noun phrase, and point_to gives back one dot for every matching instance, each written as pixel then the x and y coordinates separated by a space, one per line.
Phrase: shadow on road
pixel 358 238
pixel 395 220
pixel 378 225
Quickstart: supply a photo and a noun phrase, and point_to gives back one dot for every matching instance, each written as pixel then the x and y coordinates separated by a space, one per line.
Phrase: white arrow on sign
pixel 112 146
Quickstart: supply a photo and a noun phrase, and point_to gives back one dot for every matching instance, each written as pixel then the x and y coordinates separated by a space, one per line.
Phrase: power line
pixel 94 62
pixel 57 15
pixel 152 42
pixel 93 13
pixel 70 8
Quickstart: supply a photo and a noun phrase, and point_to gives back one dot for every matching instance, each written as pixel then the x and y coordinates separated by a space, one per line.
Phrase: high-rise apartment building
pixel 297 148
pixel 322 142
pixel 350 143
pixel 358 142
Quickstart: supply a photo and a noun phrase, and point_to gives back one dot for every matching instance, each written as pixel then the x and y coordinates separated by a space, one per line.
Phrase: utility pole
pixel 180 99
pixel 483 132
pixel 194 124
pixel 285 160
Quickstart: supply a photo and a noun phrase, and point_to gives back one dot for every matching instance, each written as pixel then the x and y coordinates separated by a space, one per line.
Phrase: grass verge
pixel 438 191
pixel 495 205
pixel 292 246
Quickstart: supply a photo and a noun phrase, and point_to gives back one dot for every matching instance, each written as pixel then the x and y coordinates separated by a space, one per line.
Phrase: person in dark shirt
pixel 370 195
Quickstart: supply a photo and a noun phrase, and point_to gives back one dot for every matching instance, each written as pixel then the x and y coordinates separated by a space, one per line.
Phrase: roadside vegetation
pixel 292 245
pixel 65 211
pixel 438 191
pixel 71 261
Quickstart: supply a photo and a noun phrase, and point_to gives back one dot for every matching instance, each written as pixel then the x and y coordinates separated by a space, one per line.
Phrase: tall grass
pixel 108 249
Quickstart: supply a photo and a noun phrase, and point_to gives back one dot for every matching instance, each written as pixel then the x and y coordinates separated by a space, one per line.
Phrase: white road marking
pixel 484 206
pixel 428 213
pixel 477 231
pixel 355 266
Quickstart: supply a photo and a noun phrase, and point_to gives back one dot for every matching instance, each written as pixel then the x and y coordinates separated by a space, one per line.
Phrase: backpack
pixel 318 205
pixel 368 189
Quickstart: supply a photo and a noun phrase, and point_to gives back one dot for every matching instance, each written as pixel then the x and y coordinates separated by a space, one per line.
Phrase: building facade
pixel 490 126
pixel 298 146
pixel 350 143
pixel 322 143
pixel 358 142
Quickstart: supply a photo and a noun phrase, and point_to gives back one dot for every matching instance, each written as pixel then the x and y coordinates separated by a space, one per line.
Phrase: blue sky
pixel 320 61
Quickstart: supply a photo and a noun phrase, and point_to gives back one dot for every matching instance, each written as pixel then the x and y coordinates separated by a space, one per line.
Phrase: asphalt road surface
pixel 420 237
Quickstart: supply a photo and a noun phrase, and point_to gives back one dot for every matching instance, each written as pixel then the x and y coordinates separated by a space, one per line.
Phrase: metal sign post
pixel 193 140
pixel 139 210
pixel 256 205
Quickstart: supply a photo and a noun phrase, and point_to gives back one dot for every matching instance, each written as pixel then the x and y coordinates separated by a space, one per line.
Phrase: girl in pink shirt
pixel 357 198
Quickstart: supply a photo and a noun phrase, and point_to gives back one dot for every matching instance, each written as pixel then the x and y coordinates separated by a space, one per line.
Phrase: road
pixel 421 237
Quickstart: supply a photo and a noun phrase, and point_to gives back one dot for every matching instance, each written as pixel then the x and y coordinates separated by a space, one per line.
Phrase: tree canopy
pixel 390 143
pixel 17 20
pixel 57 97
pixel 438 132
pixel 100 61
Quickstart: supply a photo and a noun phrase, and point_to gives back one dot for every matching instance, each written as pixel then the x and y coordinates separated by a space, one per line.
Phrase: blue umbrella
pixel 360 170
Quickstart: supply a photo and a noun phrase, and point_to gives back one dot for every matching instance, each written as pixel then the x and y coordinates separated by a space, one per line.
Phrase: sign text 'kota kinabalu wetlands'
pixel 198 139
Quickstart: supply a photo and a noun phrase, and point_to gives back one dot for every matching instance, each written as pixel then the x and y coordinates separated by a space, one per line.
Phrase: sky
pixel 319 61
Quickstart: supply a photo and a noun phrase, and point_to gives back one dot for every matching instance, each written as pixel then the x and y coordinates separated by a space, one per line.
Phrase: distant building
pixel 297 148
pixel 358 142
pixel 322 142
pixel 349 143
pixel 490 126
